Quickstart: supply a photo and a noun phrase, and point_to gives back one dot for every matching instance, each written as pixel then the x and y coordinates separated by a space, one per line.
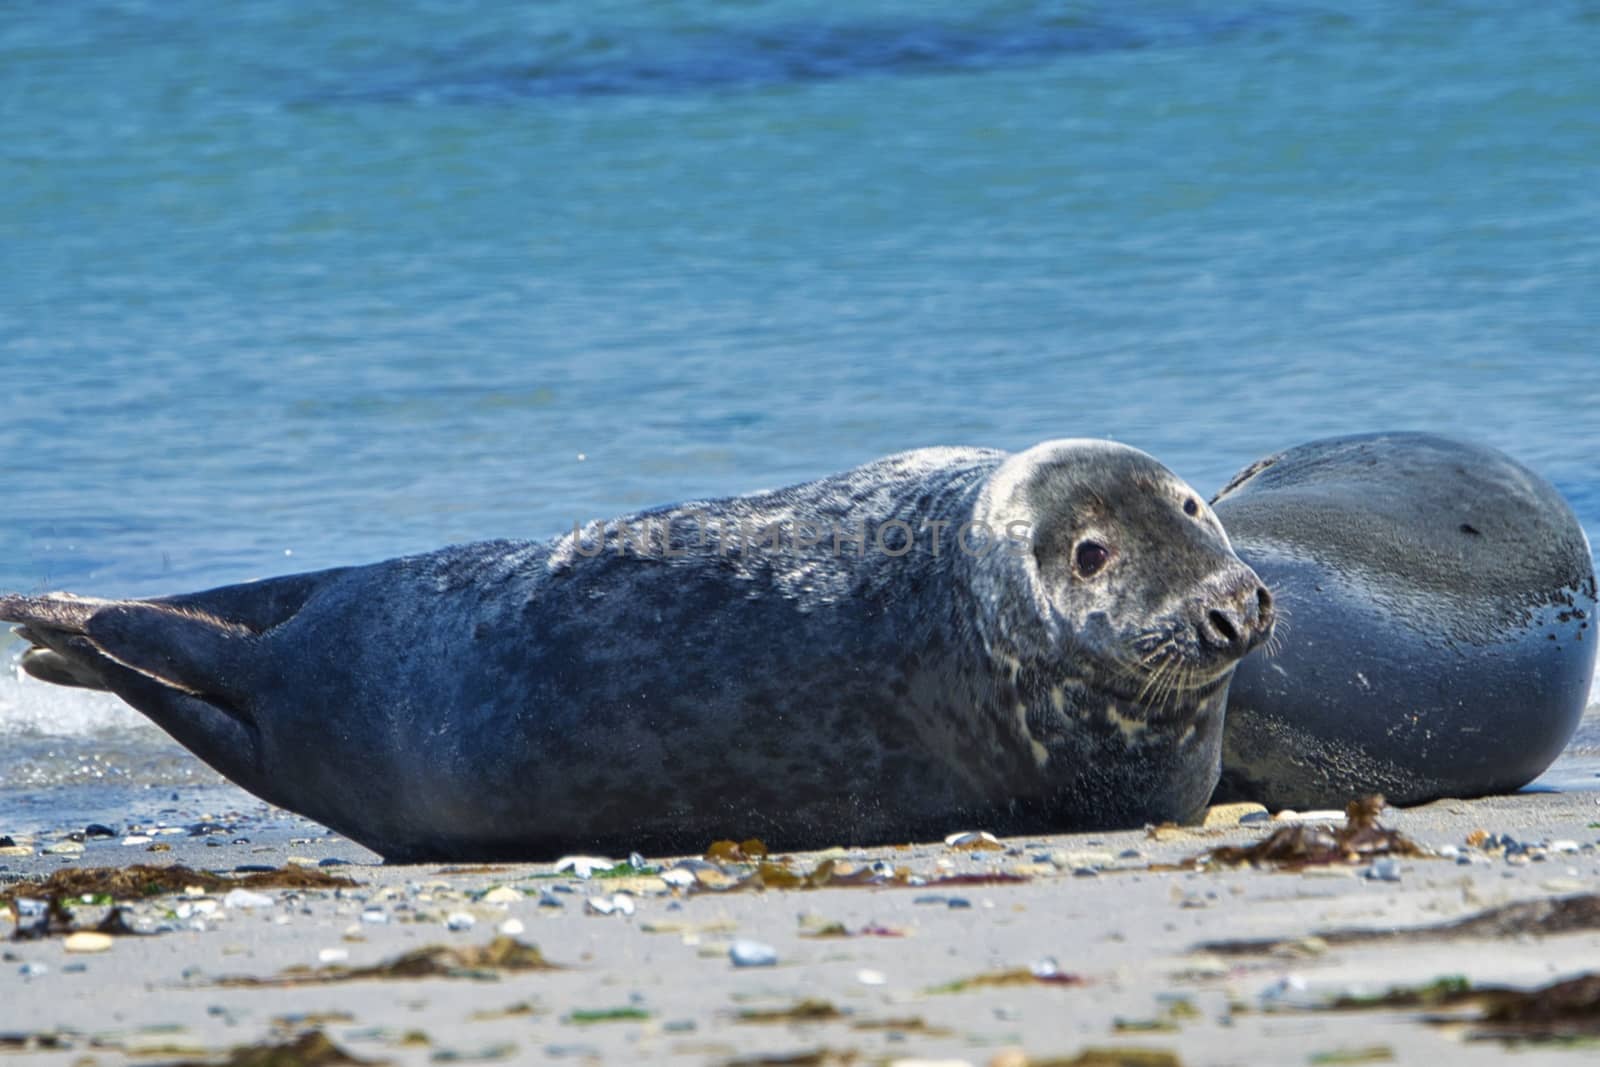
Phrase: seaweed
pixel 749 850
pixel 804 1011
pixel 310 1049
pixel 142 880
pixel 1539 918
pixel 1450 990
pixel 1113 1057
pixel 482 962
pixel 1559 1011
pixel 588 1016
pixel 1021 976
pixel 1302 845
pixel 1370 1054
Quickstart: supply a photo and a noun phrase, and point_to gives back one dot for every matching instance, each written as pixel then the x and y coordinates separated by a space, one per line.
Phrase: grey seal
pixel 943 638
pixel 1437 599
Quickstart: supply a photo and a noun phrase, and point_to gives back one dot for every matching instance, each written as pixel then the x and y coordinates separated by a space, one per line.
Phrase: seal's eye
pixel 1190 507
pixel 1090 557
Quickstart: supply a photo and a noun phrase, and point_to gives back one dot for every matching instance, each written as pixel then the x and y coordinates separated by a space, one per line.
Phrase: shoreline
pixel 1095 946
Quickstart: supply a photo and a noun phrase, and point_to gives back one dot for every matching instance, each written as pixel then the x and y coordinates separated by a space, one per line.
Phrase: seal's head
pixel 1132 588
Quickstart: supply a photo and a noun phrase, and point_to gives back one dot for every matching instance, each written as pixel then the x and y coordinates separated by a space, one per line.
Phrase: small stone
pixel 1384 870
pixel 752 954
pixel 247 899
pixel 87 941
pixel 63 848
pixel 584 866
pixel 872 977
pixel 1071 861
pixel 374 916
pixel 34 970
pixel 510 928
pixel 1086 872
pixel 1449 852
pixel 459 920
pixel 616 903
pixel 96 829
pixel 1222 815
pixel 958 902
pixel 678 878
pixel 1045 969
pixel 1564 845
pixel 330 861
pixel 502 894
pixel 981 840
pixel 333 955
pixel 1290 815
pixel 550 900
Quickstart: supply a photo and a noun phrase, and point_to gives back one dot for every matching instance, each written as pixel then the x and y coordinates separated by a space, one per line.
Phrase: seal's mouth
pixel 1170 682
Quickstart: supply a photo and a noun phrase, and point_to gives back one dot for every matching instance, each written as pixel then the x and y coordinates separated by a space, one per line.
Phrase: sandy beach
pixel 1081 949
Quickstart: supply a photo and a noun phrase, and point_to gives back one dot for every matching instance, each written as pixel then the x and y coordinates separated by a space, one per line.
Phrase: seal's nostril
pixel 1224 626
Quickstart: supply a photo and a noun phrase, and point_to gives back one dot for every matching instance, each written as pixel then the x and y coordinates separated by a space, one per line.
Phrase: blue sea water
pixel 285 286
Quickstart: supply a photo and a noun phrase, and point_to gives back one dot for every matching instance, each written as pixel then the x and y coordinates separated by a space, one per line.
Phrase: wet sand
pixel 1091 948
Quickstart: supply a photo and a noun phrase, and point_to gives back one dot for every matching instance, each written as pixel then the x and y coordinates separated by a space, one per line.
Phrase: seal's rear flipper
pixel 190 663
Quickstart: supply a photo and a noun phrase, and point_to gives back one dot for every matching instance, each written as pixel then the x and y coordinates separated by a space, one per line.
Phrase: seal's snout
pixel 1237 621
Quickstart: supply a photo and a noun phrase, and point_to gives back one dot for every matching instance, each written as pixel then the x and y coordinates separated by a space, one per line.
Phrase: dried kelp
pixel 311 1049
pixel 142 880
pixel 1361 839
pixel 482 962
pixel 1536 918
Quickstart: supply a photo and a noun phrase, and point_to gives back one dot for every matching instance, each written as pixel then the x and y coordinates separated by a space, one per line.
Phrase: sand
pixel 937 972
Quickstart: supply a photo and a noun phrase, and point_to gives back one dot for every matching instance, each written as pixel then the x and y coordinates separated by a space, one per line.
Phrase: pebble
pixel 34 970
pixel 96 829
pixel 1222 815
pixel 872 977
pixel 245 898
pixel 678 878
pixel 1074 860
pixel 1563 846
pixel 958 902
pixel 972 839
pixel 63 848
pixel 1290 815
pixel 1384 870
pixel 511 928
pixel 752 954
pixel 502 894
pixel 617 903
pixel 374 916
pixel 333 955
pixel 87 941
pixel 459 920
pixel 1046 968
pixel 550 900
pixel 584 866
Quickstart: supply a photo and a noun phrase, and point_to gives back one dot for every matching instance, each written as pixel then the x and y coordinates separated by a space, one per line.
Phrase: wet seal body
pixel 1436 639
pixel 1051 649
